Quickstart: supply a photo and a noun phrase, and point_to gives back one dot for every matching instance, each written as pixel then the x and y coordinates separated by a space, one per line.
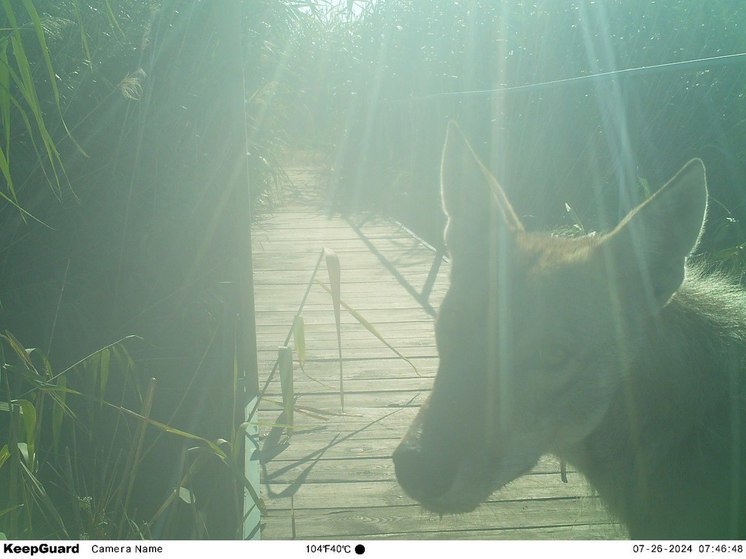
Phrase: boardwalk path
pixel 333 478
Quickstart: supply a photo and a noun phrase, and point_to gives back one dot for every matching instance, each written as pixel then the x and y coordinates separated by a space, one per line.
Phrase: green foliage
pixel 19 97
pixel 158 146
pixel 55 494
pixel 402 68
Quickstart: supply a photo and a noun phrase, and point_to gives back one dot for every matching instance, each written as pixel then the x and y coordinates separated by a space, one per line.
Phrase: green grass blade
pixel 171 430
pixel 5 169
pixel 58 411
pixel 28 417
pixel 103 372
pixel 83 37
pixel 41 497
pixel 369 327
pixel 5 93
pixel 26 86
pixel 40 37
pixel 112 18
pixel 299 339
pixel 8 510
pixel 112 345
pixel 334 269
pixel 25 83
pixel 4 455
pixel 285 363
pixel 18 349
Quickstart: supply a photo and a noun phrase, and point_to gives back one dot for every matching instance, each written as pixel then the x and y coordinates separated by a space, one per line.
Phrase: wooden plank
pixel 390 367
pixel 546 472
pixel 357 352
pixel 353 294
pixel 544 480
pixel 330 402
pixel 383 352
pixel 309 388
pixel 600 531
pixel 341 446
pixel 362 369
pixel 419 328
pixel 384 493
pixel 354 450
pixel 281 228
pixel 274 311
pixel 366 275
pixel 352 352
pixel 409 519
pixel 354 335
pixel 313 432
pixel 301 242
pixel 597 531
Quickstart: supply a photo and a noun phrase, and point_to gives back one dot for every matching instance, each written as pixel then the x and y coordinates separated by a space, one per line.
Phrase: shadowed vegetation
pixel 122 218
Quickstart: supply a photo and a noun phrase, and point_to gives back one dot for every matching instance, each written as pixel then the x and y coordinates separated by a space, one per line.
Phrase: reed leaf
pixel 370 328
pixel 5 104
pixel 83 37
pixel 4 455
pixel 165 428
pixel 299 339
pixel 334 269
pixel 28 418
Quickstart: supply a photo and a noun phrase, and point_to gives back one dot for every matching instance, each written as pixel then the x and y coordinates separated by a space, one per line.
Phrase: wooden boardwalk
pixel 333 477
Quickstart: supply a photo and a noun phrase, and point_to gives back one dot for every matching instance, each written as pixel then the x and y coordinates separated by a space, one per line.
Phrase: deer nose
pixel 422 477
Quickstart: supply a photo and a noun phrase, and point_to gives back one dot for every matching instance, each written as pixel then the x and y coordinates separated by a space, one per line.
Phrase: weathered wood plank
pixel 353 447
pixel 309 388
pixel 384 493
pixel 422 327
pixel 598 531
pixel 406 519
pixel 370 369
pixel 542 482
pixel 282 313
pixel 354 400
pixel 419 332
pixel 536 484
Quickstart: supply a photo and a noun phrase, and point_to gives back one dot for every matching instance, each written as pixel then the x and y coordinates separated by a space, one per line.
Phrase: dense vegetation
pixel 506 71
pixel 128 239
pixel 130 130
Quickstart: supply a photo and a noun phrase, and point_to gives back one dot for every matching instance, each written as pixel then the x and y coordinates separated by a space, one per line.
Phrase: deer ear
pixel 472 198
pixel 649 247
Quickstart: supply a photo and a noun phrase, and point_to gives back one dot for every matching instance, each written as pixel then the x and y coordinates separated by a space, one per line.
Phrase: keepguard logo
pixel 39 549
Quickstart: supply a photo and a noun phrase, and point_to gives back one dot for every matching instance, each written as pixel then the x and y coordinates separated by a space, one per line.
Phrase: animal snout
pixel 422 478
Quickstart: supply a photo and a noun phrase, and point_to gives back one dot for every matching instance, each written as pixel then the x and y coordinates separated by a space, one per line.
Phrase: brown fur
pixel 607 351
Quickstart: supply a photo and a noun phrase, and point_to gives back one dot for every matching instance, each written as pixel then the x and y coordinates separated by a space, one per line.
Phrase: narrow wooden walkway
pixel 333 477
